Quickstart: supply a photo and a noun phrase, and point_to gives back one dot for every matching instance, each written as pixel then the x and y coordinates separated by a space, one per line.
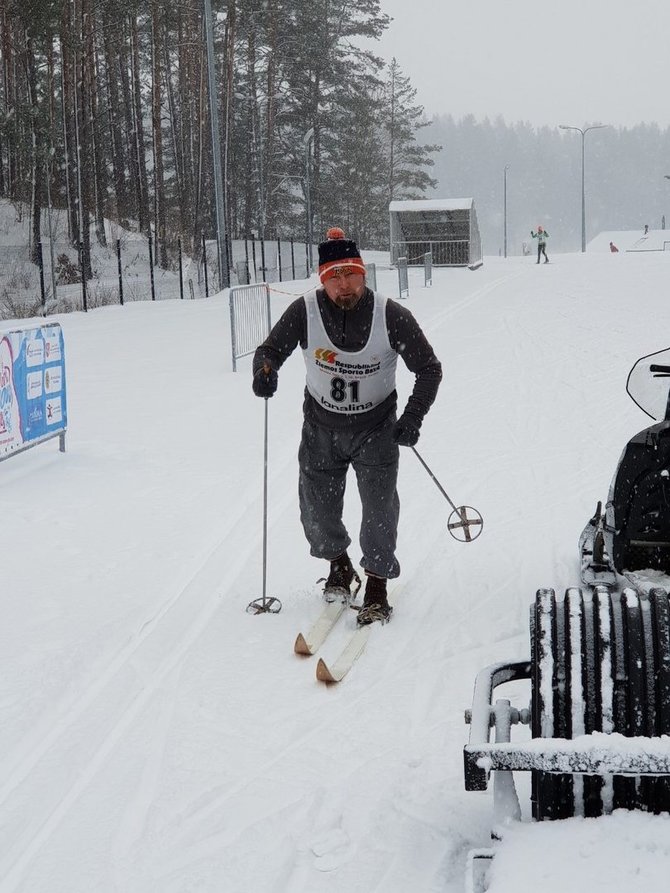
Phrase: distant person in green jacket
pixel 541 235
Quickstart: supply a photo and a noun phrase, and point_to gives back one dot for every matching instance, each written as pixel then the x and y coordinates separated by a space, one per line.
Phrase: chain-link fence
pixel 120 272
pixel 253 260
pixel 127 268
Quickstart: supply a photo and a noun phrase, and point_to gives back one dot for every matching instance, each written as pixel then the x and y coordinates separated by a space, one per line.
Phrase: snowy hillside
pixel 156 738
pixel 631 240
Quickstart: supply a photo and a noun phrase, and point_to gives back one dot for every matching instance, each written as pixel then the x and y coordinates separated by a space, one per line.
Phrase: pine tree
pixel 406 158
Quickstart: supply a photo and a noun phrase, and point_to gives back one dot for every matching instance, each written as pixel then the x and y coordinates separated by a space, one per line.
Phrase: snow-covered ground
pixel 156 738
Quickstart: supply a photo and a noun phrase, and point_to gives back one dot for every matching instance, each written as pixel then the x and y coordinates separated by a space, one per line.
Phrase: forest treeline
pixel 104 111
pixel 624 174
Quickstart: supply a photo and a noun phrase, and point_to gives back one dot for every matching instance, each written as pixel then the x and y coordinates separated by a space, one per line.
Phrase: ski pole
pixel 265 502
pixel 265 605
pixel 462 518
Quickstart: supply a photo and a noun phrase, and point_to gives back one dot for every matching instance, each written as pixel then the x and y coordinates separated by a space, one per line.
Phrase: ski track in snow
pixel 133 677
pixel 146 653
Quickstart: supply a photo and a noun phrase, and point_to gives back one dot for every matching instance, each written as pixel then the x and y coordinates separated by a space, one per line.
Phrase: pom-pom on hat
pixel 338 253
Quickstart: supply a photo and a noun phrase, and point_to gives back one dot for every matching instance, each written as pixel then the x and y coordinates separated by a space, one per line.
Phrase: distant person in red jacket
pixel 613 248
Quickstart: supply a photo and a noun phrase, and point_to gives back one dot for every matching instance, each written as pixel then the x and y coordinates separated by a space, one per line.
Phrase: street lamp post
pixel 219 194
pixel 505 210
pixel 307 139
pixel 583 133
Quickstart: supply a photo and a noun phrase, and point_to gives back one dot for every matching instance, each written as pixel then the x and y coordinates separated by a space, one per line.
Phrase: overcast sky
pixel 571 62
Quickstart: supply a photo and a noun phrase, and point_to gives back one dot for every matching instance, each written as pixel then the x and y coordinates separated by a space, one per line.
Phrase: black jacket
pixel 349 330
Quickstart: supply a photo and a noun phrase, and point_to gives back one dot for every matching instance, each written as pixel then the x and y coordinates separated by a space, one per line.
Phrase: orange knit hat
pixel 338 253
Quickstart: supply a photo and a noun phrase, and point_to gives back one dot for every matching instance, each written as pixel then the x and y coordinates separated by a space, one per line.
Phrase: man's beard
pixel 347 302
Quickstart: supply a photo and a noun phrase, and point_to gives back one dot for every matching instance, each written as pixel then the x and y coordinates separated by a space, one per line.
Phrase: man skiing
pixel 351 338
pixel 541 235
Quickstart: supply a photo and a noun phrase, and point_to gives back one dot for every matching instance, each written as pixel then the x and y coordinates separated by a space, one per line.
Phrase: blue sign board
pixel 33 404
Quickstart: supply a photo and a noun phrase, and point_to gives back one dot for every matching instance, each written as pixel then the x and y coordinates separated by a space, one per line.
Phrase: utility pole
pixel 224 277
pixel 307 139
pixel 505 210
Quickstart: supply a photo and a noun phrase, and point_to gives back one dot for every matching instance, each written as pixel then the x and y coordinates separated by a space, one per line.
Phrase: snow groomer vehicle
pixel 599 667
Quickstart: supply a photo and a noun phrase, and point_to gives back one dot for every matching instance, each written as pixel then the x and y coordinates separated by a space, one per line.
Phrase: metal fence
pixel 250 321
pixel 271 260
pixel 127 269
pixel 122 271
pixel 450 253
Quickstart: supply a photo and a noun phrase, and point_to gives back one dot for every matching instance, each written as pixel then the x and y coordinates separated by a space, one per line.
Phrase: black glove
pixel 406 430
pixel 265 382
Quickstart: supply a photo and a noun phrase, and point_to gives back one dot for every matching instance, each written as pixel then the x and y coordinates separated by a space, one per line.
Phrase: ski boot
pixel 340 578
pixel 375 604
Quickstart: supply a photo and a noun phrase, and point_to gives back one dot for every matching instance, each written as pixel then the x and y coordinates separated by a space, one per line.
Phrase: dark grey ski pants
pixel 324 457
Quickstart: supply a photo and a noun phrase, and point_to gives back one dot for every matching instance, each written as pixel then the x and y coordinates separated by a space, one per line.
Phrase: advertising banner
pixel 33 404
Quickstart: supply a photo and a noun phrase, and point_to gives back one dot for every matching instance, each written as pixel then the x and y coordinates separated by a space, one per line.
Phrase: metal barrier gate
pixel 371 276
pixel 428 268
pixel 249 319
pixel 403 278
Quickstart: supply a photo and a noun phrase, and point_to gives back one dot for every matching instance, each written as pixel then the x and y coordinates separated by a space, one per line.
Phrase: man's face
pixel 345 288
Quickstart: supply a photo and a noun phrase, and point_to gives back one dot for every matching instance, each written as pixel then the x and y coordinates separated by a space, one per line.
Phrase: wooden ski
pixel 321 628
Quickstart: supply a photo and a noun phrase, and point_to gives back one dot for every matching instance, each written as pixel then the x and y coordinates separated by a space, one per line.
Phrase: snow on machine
pixel 599 665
